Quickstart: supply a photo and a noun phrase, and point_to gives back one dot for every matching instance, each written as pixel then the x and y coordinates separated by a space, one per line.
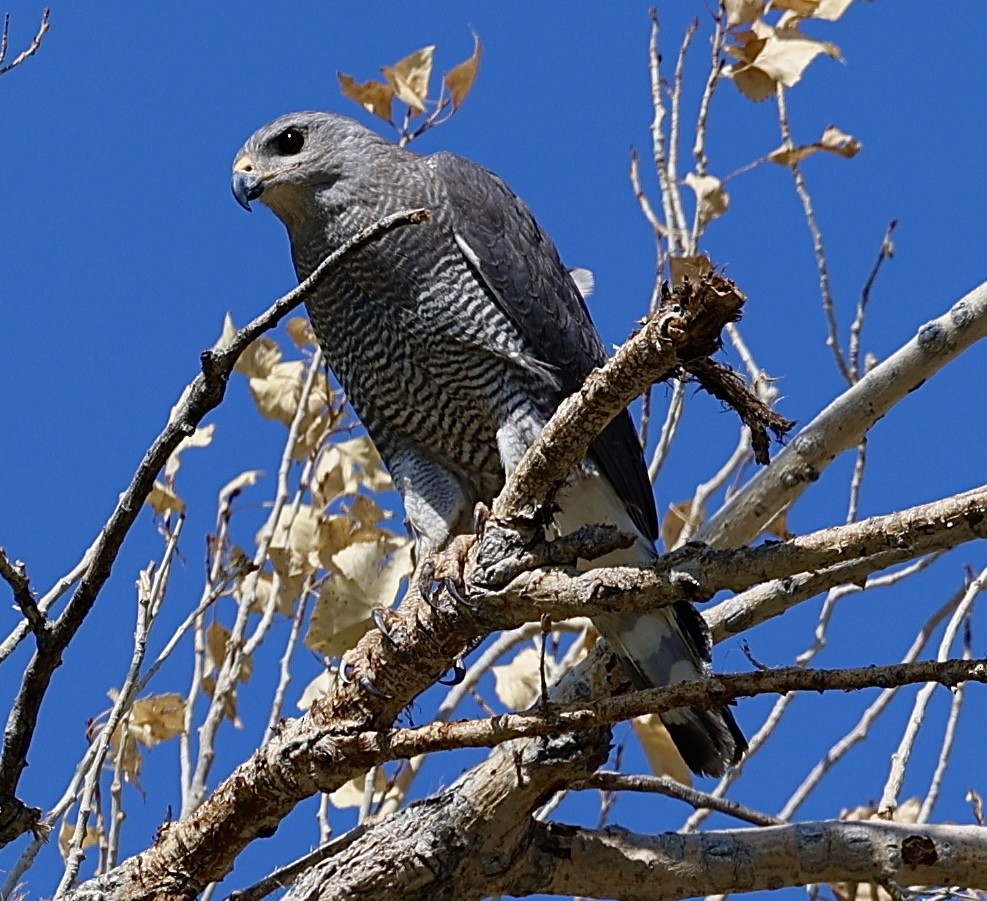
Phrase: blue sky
pixel 123 249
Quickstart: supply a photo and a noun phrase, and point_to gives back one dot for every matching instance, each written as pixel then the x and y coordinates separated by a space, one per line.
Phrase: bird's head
pixel 290 161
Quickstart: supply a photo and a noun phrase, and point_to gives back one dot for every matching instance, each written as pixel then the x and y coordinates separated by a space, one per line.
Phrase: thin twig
pixel 829 309
pixel 664 785
pixel 861 730
pixel 666 184
pixel 668 430
pixel 856 327
pixel 899 760
pixel 675 127
pixel 32 48
pixel 946 750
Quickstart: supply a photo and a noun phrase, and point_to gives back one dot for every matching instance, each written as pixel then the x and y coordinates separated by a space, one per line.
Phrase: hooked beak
pixel 247 184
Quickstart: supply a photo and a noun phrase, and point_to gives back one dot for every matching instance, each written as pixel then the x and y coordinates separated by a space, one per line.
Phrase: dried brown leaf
pixel 460 79
pixel 674 522
pixel 410 78
pixel 300 331
pixel 93 836
pixel 518 683
pixel 771 56
pixel 375 97
pixel 164 501
pixel 217 640
pixel 743 12
pixel 157 718
pixel 833 140
pixel 711 196
pixel 693 268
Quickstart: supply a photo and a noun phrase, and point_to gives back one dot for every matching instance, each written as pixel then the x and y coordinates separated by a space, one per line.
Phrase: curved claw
pixel 379 616
pixel 428 588
pixel 458 673
pixel 456 592
pixel 345 672
pixel 368 686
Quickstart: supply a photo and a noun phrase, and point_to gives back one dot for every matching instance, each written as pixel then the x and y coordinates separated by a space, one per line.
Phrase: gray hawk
pixel 455 341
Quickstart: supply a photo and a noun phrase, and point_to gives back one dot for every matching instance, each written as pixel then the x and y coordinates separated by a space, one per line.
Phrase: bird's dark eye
pixel 289 142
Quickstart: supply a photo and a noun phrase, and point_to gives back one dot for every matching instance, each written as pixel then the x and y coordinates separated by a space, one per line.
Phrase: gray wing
pixel 520 267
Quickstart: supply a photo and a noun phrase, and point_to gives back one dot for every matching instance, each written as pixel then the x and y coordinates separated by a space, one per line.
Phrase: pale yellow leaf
pixel 518 683
pixel 362 579
pixel 711 197
pixel 217 641
pixel 289 592
pixel 92 837
pixel 201 437
pixel 157 718
pixel 277 394
pixel 294 547
pixel 299 329
pixel 350 794
pixel 410 77
pixel 374 96
pixel 234 486
pixel 693 268
pixel 164 501
pixel 659 748
pixel 461 78
pixel 742 12
pixel 344 467
pixel 317 689
pixel 830 10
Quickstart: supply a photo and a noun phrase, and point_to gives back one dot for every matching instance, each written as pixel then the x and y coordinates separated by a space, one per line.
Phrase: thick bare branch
pixel 809 563
pixel 682 330
pixel 568 860
pixel 845 421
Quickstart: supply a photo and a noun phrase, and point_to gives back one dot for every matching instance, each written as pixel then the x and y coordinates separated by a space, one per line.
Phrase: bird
pixel 455 341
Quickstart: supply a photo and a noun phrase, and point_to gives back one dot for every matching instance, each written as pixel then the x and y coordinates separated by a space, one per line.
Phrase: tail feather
pixel 662 648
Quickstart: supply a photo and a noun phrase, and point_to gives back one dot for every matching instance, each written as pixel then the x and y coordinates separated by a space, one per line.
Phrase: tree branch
pixel 681 330
pixel 569 860
pixel 845 421
pixel 204 394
